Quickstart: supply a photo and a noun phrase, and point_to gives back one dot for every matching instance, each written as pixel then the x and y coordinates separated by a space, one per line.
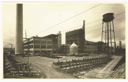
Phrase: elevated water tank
pixel 73 49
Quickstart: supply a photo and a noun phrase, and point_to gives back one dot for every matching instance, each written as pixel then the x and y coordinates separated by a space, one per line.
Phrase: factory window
pixel 31 46
pixel 49 41
pixel 49 46
pixel 37 41
pixel 37 46
pixel 37 51
pixel 43 40
pixel 43 46
pixel 43 43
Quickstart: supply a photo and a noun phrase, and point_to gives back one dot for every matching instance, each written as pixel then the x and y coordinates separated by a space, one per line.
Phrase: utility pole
pixel 28 47
pixel 11 50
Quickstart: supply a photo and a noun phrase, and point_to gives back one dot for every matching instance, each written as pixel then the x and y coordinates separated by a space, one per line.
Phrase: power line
pixel 70 27
pixel 94 21
pixel 75 26
pixel 85 11
pixel 73 17
pixel 116 15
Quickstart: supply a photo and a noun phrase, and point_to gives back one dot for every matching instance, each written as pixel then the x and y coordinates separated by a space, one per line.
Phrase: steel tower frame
pixel 108 33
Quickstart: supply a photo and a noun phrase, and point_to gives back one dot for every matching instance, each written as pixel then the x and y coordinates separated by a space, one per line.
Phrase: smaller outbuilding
pixel 73 49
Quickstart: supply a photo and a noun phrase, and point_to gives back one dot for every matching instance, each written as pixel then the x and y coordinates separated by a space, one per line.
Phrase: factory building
pixel 52 43
pixel 36 45
pixel 54 38
pixel 77 37
pixel 41 45
pixel 94 47
pixel 84 46
pixel 90 47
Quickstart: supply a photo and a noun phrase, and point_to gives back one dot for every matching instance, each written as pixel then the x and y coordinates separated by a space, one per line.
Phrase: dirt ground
pixel 45 65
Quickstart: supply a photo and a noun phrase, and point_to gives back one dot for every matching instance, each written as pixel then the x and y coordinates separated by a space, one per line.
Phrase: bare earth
pixel 44 65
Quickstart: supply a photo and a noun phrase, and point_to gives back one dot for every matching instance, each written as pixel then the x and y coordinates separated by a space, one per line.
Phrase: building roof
pixel 50 36
pixel 90 42
pixel 73 45
pixel 75 31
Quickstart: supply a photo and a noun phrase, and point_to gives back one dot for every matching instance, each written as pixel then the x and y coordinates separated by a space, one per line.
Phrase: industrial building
pixel 94 47
pixel 90 47
pixel 96 65
pixel 76 36
pixel 42 45
pixel 84 46
pixel 52 43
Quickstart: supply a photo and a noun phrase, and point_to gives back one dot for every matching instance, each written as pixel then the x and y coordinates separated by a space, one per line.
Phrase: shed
pixel 73 49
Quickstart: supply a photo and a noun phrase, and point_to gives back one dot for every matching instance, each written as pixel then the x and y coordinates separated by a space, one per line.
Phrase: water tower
pixel 108 33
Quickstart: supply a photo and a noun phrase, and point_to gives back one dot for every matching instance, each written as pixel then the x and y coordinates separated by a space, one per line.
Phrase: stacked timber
pixel 77 65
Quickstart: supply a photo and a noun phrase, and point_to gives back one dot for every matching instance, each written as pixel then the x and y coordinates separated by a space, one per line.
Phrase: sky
pixel 51 17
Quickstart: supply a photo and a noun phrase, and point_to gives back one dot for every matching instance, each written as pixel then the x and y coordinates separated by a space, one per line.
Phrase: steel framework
pixel 108 33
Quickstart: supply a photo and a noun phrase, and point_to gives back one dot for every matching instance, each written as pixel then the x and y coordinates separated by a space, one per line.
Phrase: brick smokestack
pixel 19 30
pixel 59 39
pixel 83 27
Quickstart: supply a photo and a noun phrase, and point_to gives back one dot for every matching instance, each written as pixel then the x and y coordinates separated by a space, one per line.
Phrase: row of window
pixel 38 41
pixel 39 46
pixel 42 41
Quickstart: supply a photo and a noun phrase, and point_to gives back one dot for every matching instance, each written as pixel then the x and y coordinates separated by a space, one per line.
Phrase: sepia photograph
pixel 63 40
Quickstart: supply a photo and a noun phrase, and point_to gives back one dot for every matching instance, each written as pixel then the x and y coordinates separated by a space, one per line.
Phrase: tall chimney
pixel 59 39
pixel 83 27
pixel 19 30
pixel 120 44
